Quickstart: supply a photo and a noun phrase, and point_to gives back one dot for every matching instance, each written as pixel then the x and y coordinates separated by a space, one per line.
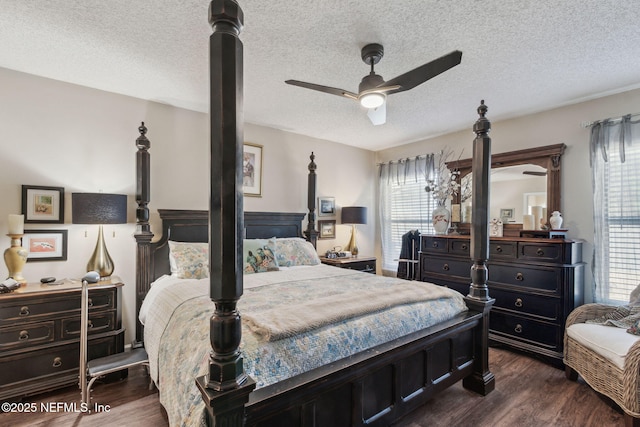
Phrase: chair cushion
pixel 608 341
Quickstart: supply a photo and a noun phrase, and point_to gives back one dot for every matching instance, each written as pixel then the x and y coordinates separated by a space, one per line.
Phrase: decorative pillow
pixel 259 256
pixel 635 328
pixel 294 251
pixel 189 260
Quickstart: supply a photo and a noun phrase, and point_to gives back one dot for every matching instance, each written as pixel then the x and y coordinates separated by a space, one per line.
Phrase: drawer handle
pixel 519 302
pixel 445 267
pixel 24 311
pixel 57 362
pixel 434 244
pixel 519 277
pixel 540 252
pixel 24 335
pixel 518 328
pixel 90 302
pixel 89 324
pixel 464 247
pixel 499 249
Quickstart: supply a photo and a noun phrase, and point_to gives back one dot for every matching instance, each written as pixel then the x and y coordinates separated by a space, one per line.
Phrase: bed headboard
pixel 193 226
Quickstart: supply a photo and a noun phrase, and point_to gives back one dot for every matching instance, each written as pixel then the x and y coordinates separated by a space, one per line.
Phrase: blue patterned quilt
pixel 183 346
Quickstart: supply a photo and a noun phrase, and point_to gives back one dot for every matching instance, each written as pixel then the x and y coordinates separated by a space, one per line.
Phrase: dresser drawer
pixel 460 247
pixel 27 309
pixel 540 252
pixel 26 335
pixel 545 307
pixel 503 250
pixel 541 278
pixel 433 244
pixel 521 328
pixel 451 267
pixel 97 323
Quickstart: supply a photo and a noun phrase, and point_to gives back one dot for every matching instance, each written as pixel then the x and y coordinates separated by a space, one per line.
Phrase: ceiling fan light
pixel 372 100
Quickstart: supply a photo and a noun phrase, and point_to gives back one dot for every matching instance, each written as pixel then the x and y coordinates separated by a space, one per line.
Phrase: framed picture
pixel 326 206
pixel 506 214
pixel 43 204
pixel 252 169
pixel 327 228
pixel 45 245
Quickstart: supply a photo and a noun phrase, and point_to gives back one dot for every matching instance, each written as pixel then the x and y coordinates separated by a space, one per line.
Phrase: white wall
pixel 63 135
pixel 561 125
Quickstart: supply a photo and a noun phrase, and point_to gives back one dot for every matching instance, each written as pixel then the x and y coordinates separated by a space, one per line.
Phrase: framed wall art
pixel 252 169
pixel 506 214
pixel 43 204
pixel 326 206
pixel 327 228
pixel 45 245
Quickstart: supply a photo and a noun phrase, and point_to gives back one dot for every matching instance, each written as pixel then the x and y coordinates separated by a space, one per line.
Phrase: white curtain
pixel 615 164
pixel 404 204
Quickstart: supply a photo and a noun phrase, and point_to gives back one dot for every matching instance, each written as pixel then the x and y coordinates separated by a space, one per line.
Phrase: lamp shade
pixel 99 208
pixel 354 215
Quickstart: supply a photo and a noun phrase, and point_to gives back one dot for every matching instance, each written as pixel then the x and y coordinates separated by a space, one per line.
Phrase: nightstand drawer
pixel 27 335
pixel 366 266
pixel 51 361
pixel 98 323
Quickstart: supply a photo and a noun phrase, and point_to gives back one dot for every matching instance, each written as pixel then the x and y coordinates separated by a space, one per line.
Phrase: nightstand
pixel 40 330
pixel 361 263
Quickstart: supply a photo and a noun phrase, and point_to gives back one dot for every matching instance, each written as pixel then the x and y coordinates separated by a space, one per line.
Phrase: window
pixel 404 206
pixel 615 162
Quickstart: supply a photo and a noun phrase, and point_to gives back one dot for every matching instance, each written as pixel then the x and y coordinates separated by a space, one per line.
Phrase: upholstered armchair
pixel 606 357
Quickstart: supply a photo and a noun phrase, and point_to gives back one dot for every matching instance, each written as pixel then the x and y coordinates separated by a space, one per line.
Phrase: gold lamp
pixel 354 215
pixel 99 208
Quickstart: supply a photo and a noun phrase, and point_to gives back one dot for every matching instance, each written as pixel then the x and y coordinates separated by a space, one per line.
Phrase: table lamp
pixel 99 208
pixel 354 215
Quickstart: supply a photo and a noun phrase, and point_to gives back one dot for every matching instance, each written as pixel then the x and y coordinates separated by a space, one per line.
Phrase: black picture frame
pixel 45 245
pixel 43 205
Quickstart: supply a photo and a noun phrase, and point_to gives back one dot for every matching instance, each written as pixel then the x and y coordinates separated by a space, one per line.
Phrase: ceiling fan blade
pixel 325 89
pixel 419 75
pixel 378 116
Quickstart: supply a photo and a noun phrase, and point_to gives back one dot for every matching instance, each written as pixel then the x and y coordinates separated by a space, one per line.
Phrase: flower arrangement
pixel 442 182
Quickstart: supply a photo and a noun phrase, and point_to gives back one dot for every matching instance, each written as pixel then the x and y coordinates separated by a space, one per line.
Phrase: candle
pixel 16 224
pixel 527 222
pixel 455 212
pixel 537 215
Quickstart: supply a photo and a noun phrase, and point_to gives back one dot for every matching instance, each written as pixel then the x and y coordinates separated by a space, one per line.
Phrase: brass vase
pixel 15 257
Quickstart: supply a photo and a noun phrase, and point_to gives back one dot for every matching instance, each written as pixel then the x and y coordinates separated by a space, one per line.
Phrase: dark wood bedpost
pixel 225 390
pixel 143 233
pixel 311 233
pixel 482 381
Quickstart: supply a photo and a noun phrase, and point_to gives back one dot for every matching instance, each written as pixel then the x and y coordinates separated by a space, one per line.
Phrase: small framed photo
pixel 45 245
pixel 327 228
pixel 506 214
pixel 326 206
pixel 252 169
pixel 43 204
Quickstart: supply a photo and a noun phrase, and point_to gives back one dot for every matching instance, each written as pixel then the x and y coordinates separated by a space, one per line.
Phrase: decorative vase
pixel 555 220
pixel 441 219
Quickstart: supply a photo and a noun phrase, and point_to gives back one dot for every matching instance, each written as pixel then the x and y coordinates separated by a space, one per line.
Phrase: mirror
pixel 522 182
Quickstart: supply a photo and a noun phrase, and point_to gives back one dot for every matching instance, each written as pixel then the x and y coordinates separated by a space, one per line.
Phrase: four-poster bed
pixel 373 385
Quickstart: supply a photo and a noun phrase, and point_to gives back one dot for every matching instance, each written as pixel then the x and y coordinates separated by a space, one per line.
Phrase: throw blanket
pixel 624 316
pixel 273 324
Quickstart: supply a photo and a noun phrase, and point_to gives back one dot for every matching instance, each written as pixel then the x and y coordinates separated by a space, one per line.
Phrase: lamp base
pixel 15 257
pixel 101 261
pixel 353 246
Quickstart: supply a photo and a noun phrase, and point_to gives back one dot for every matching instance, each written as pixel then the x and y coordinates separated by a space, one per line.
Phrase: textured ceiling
pixel 520 56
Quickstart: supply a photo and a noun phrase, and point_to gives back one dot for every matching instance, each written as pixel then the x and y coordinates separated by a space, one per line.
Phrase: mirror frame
pixel 549 157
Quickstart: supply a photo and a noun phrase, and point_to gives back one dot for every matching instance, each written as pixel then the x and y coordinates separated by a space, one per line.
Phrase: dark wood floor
pixel 528 393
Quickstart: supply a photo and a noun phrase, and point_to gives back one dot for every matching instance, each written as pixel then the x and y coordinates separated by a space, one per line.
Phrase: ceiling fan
pixel 373 90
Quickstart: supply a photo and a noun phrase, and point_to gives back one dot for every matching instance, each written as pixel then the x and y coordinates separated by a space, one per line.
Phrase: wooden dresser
pixel 535 282
pixel 40 329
